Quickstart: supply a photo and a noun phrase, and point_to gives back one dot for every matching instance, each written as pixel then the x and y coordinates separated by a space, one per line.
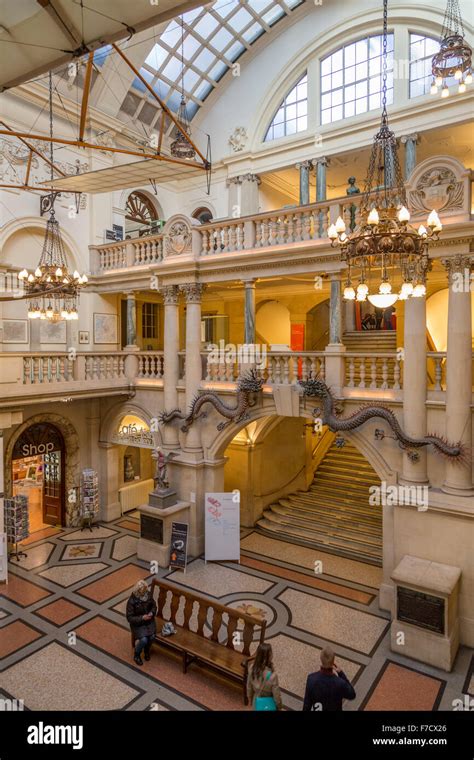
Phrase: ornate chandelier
pixel 454 58
pixel 181 147
pixel 384 240
pixel 53 293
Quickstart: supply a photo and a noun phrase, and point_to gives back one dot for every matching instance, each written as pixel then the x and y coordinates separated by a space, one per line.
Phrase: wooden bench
pixel 214 642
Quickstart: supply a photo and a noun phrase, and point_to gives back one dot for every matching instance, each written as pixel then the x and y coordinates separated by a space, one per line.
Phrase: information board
pixel 179 545
pixel 222 526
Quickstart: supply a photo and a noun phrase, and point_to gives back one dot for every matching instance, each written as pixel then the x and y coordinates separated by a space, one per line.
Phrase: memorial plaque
pixel 151 529
pixel 422 610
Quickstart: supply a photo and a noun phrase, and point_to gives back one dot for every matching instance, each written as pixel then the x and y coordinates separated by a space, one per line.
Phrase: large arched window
pixel 351 79
pixel 422 50
pixel 292 114
pixel 141 216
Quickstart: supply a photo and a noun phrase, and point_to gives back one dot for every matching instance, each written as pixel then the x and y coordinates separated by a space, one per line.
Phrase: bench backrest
pixel 223 618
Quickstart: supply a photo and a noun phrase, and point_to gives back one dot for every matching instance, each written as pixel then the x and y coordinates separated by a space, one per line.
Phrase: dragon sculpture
pixel 317 388
pixel 248 384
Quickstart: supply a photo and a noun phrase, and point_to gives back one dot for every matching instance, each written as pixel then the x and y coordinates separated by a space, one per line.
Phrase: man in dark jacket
pixel 326 689
pixel 141 611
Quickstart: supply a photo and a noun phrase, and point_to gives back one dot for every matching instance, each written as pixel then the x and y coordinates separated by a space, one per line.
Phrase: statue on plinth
pixel 160 477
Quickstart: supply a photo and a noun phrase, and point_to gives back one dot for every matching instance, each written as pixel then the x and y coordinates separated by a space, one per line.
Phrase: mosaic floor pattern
pixel 65 642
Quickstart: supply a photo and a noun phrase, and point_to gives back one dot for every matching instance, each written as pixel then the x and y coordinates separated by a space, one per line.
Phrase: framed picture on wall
pixel 105 328
pixel 83 336
pixel 52 332
pixel 15 331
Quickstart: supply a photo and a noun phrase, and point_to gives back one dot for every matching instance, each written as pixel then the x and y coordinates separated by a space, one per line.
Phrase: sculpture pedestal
pixel 155 531
pixel 162 498
pixel 425 611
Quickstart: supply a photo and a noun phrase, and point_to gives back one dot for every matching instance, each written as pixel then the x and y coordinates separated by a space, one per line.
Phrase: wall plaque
pixel 422 610
pixel 151 528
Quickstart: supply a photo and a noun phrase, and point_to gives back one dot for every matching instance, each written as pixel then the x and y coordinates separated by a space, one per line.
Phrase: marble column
pixel 131 323
pixel 234 185
pixel 249 335
pixel 304 169
pixel 171 361
pixel 193 294
pixel 350 320
pixel 335 310
pixel 409 141
pixel 458 475
pixel 249 198
pixel 320 165
pixel 414 387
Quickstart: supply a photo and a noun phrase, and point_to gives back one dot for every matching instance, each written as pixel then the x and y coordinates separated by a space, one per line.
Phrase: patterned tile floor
pixel 65 643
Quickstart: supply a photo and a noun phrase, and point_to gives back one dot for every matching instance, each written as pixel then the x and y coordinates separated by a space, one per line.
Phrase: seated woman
pixel 141 611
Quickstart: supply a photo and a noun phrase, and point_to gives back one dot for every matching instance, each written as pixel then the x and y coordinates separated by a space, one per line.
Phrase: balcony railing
pixel 36 374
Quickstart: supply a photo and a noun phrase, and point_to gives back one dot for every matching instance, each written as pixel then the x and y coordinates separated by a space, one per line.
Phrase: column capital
pixel 250 283
pixel 129 293
pixel 170 294
pixel 249 177
pixel 304 164
pixel 192 291
pixel 234 180
pixel 323 160
pixel 458 264
pixel 413 137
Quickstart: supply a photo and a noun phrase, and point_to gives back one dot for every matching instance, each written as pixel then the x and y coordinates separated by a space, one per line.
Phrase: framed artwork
pixel 83 336
pixel 105 328
pixel 52 332
pixel 15 331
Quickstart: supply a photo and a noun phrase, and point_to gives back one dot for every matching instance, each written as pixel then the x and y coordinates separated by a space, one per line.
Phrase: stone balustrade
pixel 381 371
pixel 151 365
pixel 437 379
pixel 282 368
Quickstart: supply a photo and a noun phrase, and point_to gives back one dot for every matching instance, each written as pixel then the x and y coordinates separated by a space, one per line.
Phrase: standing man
pixel 326 689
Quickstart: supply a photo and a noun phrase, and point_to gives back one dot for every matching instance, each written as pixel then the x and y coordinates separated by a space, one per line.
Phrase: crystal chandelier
pixel 384 240
pixel 53 293
pixel 181 147
pixel 454 58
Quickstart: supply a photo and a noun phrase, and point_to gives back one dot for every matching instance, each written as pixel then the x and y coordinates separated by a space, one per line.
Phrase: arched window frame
pixel 297 98
pixel 343 73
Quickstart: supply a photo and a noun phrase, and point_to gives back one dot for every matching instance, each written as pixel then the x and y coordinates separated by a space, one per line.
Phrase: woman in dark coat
pixel 141 611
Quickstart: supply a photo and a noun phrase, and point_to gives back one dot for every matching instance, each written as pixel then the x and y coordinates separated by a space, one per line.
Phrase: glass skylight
pixel 215 36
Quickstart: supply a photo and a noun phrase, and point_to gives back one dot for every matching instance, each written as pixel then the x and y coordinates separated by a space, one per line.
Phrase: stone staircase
pixel 369 342
pixel 334 515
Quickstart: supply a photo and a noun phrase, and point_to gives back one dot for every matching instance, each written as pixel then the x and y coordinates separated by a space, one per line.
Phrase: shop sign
pixel 134 434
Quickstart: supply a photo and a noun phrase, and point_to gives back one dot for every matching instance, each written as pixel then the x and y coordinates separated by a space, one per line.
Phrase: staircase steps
pixel 334 514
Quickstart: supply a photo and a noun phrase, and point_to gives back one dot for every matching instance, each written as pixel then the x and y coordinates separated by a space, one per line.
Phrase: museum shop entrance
pixel 38 460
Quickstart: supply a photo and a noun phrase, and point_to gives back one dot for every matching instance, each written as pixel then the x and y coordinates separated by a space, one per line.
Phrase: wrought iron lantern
pixel 454 58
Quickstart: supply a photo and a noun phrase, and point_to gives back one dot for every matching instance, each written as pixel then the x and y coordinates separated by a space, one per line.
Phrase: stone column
pixel 304 169
pixel 171 361
pixel 349 314
pixel 320 165
pixel 193 295
pixel 414 387
pixel 249 200
pixel 335 310
pixel 249 335
pixel 131 323
pixel 458 475
pixel 409 141
pixel 234 185
pixel 334 359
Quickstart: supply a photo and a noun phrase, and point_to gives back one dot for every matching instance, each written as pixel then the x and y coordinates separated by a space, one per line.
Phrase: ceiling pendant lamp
pixel 181 147
pixel 53 293
pixel 454 58
pixel 384 239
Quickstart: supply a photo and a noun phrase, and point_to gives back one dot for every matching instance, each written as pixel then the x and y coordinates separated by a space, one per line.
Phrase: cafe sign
pixel 132 431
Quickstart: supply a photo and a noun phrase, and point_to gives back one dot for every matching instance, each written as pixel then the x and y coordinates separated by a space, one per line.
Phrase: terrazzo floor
pixel 65 642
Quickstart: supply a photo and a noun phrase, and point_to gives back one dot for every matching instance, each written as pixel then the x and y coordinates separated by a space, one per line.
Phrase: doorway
pixel 38 473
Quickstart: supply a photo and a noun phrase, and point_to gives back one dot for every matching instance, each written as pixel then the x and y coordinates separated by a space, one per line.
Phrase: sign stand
pixel 89 498
pixel 179 546
pixel 17 524
pixel 222 526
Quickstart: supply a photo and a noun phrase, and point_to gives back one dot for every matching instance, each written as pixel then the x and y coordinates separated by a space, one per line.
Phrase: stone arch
pixel 116 412
pixel 72 469
pixel 26 223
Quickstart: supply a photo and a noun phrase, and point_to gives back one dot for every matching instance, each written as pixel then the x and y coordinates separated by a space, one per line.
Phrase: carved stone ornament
pixel 238 139
pixel 170 294
pixel 438 183
pixel 192 291
pixel 177 236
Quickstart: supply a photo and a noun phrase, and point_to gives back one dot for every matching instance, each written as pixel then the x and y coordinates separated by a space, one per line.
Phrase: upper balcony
pixel 283 238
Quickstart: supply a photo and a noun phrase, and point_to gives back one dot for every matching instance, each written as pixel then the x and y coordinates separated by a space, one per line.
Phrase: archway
pixel 143 216
pixel 202 214
pixel 273 323
pixel 42 461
